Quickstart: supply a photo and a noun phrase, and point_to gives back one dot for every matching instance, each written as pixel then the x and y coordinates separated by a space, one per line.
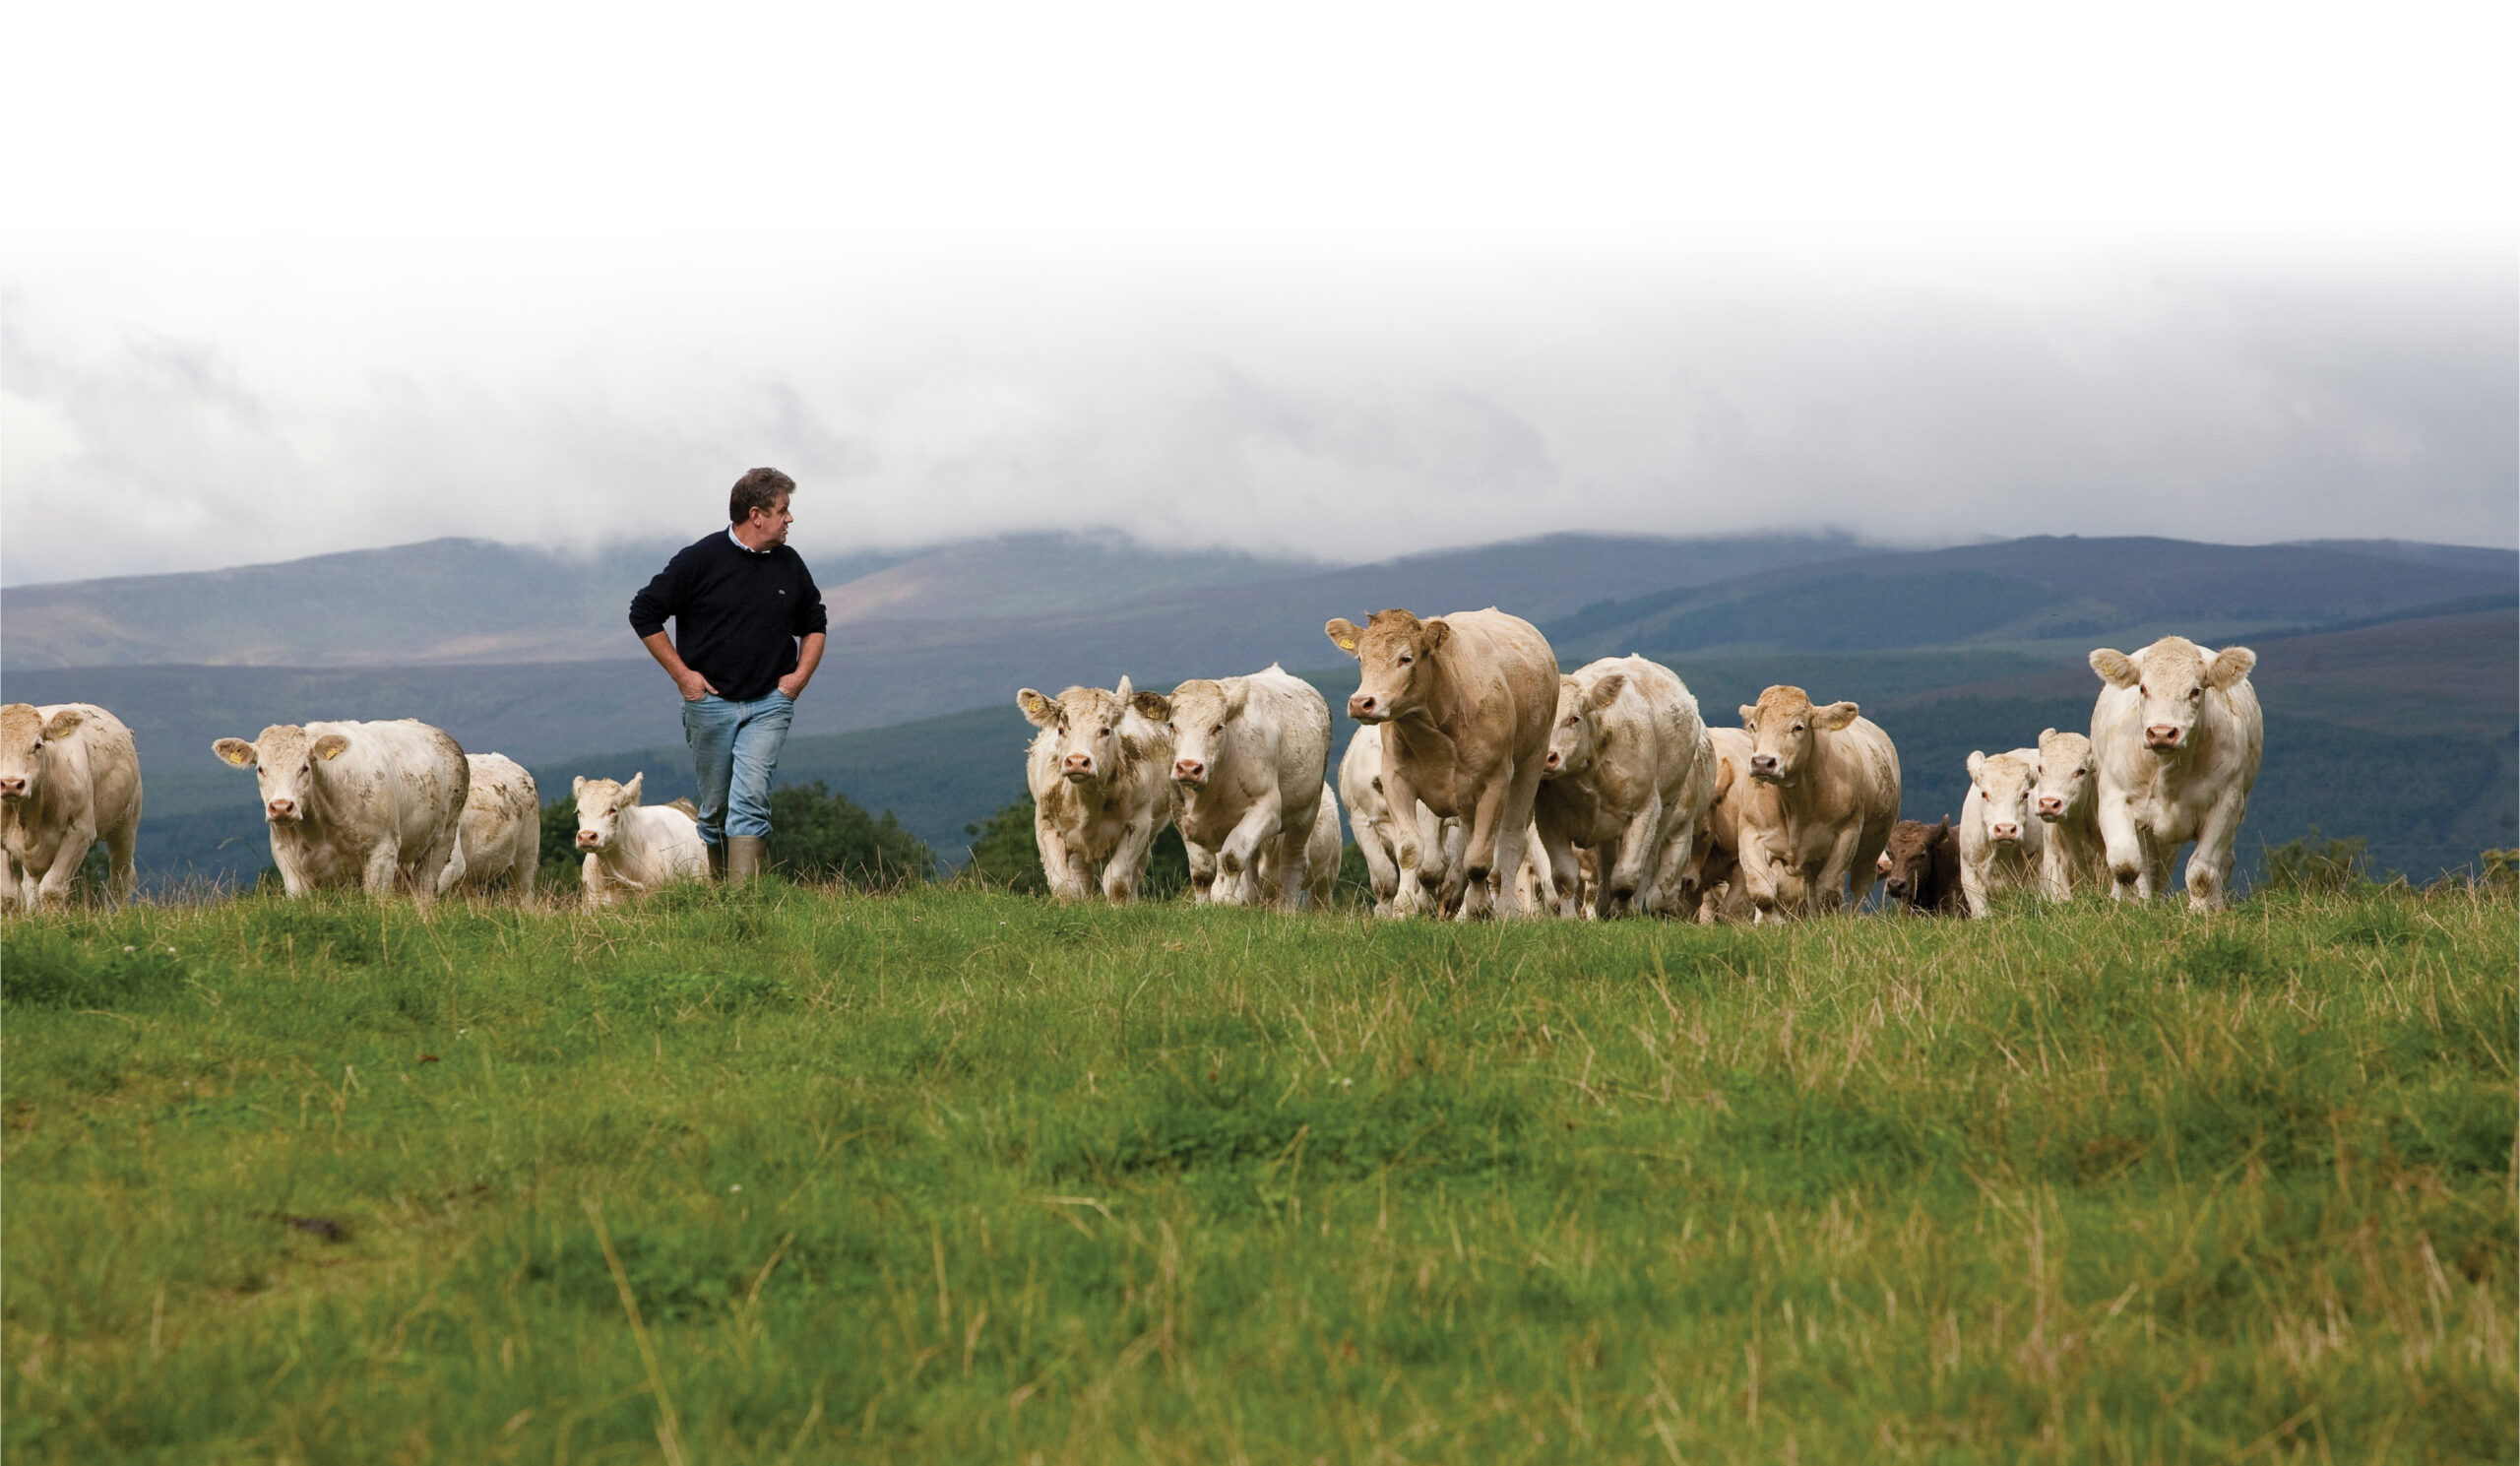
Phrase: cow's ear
pixel 329 747
pixel 1750 715
pixel 577 786
pixel 1124 691
pixel 1153 707
pixel 1836 717
pixel 1605 691
pixel 1976 761
pixel 1433 635
pixel 66 722
pixel 1039 710
pixel 1344 634
pixel 2045 733
pixel 2116 667
pixel 235 750
pixel 1723 780
pixel 2234 664
pixel 1238 696
pixel 630 791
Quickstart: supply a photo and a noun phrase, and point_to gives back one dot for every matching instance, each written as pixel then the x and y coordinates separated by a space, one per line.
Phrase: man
pixel 750 623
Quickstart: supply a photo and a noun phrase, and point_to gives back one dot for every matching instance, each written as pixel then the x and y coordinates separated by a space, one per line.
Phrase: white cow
pixel 632 849
pixel 1836 774
pixel 1629 776
pixel 69 777
pixel 2073 855
pixel 371 803
pixel 2001 848
pixel 1369 817
pixel 1248 758
pixel 502 824
pixel 1737 868
pixel 1101 779
pixel 2177 735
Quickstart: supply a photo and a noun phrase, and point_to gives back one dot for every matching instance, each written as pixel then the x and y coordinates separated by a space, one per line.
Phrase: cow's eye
pixel 1404 661
pixel 2143 691
pixel 1220 727
pixel 1797 728
pixel 1169 728
pixel 1102 732
pixel 2194 693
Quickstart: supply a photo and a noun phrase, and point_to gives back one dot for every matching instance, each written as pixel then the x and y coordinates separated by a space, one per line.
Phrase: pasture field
pixel 784 1175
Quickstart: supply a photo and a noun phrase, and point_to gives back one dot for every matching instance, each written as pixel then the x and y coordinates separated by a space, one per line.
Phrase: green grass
pixel 950 1177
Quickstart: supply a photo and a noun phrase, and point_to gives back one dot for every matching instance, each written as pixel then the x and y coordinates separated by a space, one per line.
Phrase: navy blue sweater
pixel 737 612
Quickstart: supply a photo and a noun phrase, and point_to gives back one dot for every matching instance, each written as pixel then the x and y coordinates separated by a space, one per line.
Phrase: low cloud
pixel 1349 415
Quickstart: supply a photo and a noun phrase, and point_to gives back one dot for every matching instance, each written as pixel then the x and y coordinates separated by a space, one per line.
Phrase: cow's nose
pixel 1189 770
pixel 2162 735
pixel 2051 806
pixel 1897 886
pixel 1360 706
pixel 1762 763
pixel 1079 763
pixel 1556 758
pixel 282 808
pixel 587 837
pixel 11 788
pixel 2007 832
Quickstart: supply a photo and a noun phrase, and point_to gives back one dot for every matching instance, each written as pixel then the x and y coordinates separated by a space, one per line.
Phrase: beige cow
pixel 1838 778
pixel 1629 776
pixel 1248 758
pixel 1321 853
pixel 1101 776
pixel 2001 848
pixel 2178 736
pixel 69 777
pixel 2072 857
pixel 502 826
pixel 1465 701
pixel 1369 817
pixel 633 850
pixel 376 804
pixel 1734 869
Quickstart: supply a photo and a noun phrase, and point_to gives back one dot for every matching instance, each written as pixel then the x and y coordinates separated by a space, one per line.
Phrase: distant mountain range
pixel 2387 668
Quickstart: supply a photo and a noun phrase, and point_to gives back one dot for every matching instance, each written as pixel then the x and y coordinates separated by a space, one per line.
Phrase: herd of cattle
pixel 1481 781
pixel 1484 779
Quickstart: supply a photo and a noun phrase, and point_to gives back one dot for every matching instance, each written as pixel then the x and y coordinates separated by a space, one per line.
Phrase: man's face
pixel 768 527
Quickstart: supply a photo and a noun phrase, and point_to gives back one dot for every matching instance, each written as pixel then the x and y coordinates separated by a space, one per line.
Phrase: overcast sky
pixel 1335 280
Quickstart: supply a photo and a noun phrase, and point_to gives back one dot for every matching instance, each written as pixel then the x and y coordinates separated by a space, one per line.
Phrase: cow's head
pixel 1909 861
pixel 285 761
pixel 1095 731
pixel 599 805
pixel 1392 650
pixel 1782 725
pixel 2003 781
pixel 2170 677
pixel 2068 776
pixel 1195 715
pixel 24 736
pixel 1575 739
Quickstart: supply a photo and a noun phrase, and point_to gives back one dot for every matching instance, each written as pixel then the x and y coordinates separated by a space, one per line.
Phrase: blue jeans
pixel 734 750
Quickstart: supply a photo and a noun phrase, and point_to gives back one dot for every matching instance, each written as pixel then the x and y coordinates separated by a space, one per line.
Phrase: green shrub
pixel 817 835
pixel 2315 864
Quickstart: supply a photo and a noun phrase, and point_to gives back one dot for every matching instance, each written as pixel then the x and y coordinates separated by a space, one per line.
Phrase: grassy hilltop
pixel 780 1175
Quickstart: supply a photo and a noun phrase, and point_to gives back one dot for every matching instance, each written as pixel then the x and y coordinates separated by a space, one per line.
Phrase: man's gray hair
pixel 758 489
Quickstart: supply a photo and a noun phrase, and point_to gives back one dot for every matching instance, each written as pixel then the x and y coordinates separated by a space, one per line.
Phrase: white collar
pixel 740 543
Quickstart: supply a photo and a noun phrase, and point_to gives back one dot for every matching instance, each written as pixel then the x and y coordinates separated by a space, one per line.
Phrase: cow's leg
pixel 1668 889
pixel 1485 854
pixel 1418 838
pixel 2208 865
pixel 122 844
pixel 1203 871
pixel 1062 867
pixel 54 889
pixel 1972 886
pixel 1126 871
pixel 1558 863
pixel 384 862
pixel 444 857
pixel 2055 878
pixel 1511 828
pixel 2124 848
pixel 528 859
pixel 1374 842
pixel 1240 849
pixel 11 893
pixel 1864 863
pixel 1624 877
pixel 1828 886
